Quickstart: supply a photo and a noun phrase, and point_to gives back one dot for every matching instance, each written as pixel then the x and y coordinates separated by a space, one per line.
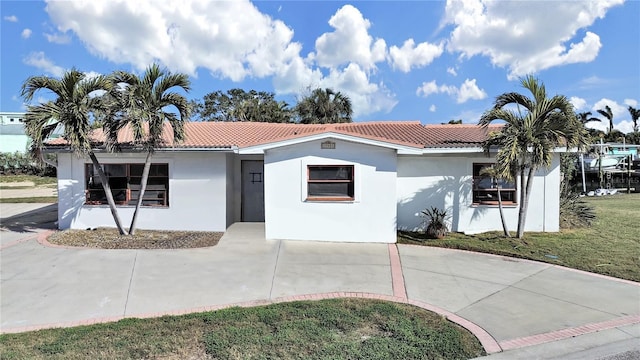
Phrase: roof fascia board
pixel 260 149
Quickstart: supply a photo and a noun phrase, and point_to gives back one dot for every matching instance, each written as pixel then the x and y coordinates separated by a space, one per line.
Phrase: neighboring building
pixel 12 136
pixel 357 182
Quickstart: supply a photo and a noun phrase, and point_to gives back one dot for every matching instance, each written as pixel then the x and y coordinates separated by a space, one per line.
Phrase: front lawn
pixel 611 246
pixel 328 329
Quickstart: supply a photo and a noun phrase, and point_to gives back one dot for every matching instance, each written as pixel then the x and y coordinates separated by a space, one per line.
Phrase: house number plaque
pixel 327 145
pixel 256 177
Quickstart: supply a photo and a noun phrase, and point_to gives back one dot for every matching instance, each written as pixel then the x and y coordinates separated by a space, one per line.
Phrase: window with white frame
pixel 485 187
pixel 330 182
pixel 125 182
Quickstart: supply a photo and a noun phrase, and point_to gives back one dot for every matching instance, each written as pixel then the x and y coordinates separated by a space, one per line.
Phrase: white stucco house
pixel 357 182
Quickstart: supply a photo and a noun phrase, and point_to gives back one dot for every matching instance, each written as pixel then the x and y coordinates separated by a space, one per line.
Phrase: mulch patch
pixel 106 238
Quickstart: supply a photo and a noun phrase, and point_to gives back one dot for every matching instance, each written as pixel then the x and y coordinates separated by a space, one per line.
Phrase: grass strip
pixel 37 180
pixel 327 329
pixel 31 200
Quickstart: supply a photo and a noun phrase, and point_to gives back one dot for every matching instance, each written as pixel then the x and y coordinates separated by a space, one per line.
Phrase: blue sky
pixel 431 61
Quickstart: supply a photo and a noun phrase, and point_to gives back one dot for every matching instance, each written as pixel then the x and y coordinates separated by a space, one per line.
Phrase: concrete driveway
pixel 526 309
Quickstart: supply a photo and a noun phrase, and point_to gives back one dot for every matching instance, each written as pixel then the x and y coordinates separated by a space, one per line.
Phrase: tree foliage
pixel 324 106
pixel 533 129
pixel 608 114
pixel 239 105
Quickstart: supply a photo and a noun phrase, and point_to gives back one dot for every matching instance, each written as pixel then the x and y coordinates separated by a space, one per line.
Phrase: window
pixel 330 182
pixel 124 180
pixel 485 188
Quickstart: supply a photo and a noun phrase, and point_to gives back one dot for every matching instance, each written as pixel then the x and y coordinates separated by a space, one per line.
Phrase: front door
pixel 252 190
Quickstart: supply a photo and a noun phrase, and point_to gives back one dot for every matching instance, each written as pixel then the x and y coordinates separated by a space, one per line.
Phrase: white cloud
pixel 181 35
pixel 40 61
pixel 631 102
pixel 467 91
pixel 578 103
pixel 11 18
pixel 26 33
pixel 509 33
pixel 410 55
pixel 432 108
pixel 58 38
pixel 621 117
pixel 452 71
pixel 350 42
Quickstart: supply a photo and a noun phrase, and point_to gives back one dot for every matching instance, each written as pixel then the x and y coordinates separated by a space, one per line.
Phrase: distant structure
pixel 12 136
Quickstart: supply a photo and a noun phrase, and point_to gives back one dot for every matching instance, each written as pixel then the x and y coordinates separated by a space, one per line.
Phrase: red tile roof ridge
pixel 460 125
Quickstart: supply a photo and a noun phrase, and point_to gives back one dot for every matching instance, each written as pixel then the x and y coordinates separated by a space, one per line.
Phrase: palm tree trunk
pixel 107 192
pixel 521 202
pixel 504 223
pixel 522 216
pixel 143 187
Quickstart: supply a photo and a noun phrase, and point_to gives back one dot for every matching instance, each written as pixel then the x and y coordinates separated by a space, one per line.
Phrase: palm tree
pixel 497 178
pixel 531 133
pixel 635 115
pixel 70 110
pixel 608 114
pixel 142 103
pixel 585 117
pixel 324 107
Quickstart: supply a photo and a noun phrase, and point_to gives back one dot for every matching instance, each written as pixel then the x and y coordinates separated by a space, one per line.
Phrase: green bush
pixel 22 164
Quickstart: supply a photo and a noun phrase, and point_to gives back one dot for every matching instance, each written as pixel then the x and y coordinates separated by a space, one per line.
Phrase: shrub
pixel 436 222
pixel 574 211
pixel 22 164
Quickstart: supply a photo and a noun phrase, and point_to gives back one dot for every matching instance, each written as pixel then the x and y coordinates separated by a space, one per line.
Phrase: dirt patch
pixel 104 238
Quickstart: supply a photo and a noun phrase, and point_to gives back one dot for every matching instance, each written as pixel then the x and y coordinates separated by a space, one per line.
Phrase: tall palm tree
pixel 75 99
pixel 532 131
pixel 497 178
pixel 608 114
pixel 143 103
pixel 324 107
pixel 635 115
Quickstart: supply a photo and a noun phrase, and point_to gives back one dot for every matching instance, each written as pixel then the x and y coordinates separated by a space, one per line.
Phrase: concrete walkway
pixel 526 309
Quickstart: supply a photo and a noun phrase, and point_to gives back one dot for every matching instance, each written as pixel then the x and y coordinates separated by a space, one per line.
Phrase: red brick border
pixel 568 333
pixel 397 277
pixel 21 240
pixel 488 342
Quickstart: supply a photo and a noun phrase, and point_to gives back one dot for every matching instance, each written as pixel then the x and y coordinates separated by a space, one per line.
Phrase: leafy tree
pixel 324 106
pixel 143 103
pixel 530 135
pixel 635 115
pixel 455 122
pixel 75 99
pixel 239 105
pixel 608 114
pixel 614 136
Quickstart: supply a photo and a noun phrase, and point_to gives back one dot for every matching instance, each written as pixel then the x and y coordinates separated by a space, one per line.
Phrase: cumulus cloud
pixel 11 18
pixel 432 108
pixel 202 34
pixel 469 90
pixel 350 42
pixel 58 38
pixel 578 103
pixel 40 61
pixel 509 32
pixel 411 56
pixel 452 71
pixel 26 33
pixel 631 102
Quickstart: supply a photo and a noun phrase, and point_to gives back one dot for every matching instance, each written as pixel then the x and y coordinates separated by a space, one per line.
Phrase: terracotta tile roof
pixel 457 135
pixel 225 135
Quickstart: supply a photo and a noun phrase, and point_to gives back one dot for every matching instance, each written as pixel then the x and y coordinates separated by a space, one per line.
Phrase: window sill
pixel 329 199
pixel 495 204
pixel 127 206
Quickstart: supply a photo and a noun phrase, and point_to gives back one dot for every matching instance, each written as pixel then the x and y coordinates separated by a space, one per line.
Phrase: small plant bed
pixel 106 238
pixel 611 246
pixel 327 329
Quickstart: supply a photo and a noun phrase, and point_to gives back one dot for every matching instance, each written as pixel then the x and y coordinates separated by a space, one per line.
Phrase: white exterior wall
pixel 446 183
pixel 197 193
pixel 371 217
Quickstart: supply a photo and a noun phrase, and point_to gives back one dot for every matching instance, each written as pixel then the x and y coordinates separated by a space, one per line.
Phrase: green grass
pixel 328 329
pixel 30 200
pixel 38 180
pixel 611 246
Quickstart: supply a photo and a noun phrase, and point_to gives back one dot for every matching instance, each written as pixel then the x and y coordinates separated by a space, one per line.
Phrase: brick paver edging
pixel 16 242
pixel 568 333
pixel 488 342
